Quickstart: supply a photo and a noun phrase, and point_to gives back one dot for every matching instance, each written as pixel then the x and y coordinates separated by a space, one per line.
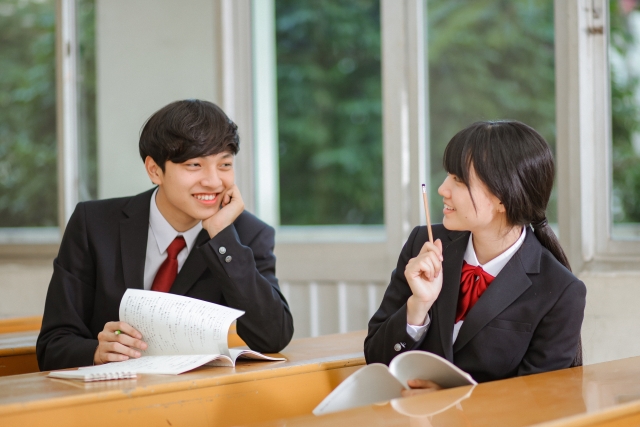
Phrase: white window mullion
pixel 67 109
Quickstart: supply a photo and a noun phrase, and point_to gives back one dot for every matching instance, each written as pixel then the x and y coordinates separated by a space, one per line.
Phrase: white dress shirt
pixel 160 236
pixel 493 267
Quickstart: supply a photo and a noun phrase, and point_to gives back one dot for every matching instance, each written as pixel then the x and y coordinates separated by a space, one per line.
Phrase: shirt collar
pixel 165 233
pixel 494 266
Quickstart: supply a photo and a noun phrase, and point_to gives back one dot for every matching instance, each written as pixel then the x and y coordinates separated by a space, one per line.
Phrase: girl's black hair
pixel 516 164
pixel 187 129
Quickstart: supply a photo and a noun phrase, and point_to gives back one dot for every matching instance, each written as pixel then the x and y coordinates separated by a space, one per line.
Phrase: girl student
pixel 494 293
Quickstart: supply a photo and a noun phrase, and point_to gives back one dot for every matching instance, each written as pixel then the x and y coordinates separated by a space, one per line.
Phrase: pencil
pixel 426 211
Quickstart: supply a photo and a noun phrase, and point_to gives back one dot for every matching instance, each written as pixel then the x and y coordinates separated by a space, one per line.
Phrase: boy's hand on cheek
pixel 231 206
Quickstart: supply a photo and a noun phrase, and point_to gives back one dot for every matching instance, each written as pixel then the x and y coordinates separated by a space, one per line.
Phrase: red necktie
pixel 473 283
pixel 168 271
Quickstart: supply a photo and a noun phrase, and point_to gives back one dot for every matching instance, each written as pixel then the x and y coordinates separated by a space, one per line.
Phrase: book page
pixel 173 324
pixel 423 365
pixel 236 353
pixel 371 384
pixel 170 365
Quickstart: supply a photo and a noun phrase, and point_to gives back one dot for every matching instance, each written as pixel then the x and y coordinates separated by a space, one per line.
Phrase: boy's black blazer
pixel 103 253
pixel 527 321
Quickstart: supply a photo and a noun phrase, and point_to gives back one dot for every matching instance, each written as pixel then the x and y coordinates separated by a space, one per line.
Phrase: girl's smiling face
pixel 471 208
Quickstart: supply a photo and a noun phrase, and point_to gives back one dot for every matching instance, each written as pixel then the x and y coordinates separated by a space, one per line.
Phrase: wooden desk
pixel 252 391
pixel 605 394
pixel 18 353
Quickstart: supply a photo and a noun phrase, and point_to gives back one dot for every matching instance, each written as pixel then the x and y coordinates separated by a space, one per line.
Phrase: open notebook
pixel 182 333
pixel 378 383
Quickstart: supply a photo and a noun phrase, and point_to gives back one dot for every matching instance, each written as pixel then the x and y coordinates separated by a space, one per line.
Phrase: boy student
pixel 190 235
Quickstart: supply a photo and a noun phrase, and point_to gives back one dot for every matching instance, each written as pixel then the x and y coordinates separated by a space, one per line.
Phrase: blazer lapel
pixel 134 230
pixel 192 269
pixel 447 302
pixel 510 283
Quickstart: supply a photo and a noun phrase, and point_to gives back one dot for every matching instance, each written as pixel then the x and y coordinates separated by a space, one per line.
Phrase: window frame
pixel 583 98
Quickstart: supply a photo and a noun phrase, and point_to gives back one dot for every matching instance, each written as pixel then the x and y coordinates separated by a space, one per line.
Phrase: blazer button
pixel 397 347
pixel 228 258
pixel 222 250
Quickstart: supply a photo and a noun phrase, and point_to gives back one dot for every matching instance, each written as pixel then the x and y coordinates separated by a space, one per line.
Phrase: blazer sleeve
pixel 267 325
pixel 65 340
pixel 388 335
pixel 556 338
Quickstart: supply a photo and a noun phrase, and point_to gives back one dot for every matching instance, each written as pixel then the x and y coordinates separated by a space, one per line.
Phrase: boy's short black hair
pixel 187 129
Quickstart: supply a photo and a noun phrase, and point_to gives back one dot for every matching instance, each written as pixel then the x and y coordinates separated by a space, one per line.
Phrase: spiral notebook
pixel 85 376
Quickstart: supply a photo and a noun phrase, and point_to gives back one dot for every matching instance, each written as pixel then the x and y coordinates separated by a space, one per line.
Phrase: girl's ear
pixel 501 208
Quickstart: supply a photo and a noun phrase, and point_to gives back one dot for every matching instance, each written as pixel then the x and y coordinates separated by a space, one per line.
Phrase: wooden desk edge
pixel 17 351
pixel 595 418
pixel 109 395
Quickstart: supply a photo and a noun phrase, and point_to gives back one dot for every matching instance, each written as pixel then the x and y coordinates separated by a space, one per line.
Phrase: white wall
pixel 24 286
pixel 612 318
pixel 149 53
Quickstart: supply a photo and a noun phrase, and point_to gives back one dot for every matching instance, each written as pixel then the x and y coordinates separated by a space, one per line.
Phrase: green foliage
pixel 625 121
pixel 489 60
pixel 28 184
pixel 329 112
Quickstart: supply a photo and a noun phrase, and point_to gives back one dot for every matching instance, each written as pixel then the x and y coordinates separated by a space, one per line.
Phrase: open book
pixel 182 333
pixel 376 383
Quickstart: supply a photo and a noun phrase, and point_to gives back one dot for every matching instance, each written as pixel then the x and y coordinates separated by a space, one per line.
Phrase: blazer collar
pixel 134 230
pixel 193 267
pixel 508 285
pixel 447 302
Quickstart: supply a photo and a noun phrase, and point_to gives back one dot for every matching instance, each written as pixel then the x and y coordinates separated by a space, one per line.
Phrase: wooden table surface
pixel 252 391
pixel 604 394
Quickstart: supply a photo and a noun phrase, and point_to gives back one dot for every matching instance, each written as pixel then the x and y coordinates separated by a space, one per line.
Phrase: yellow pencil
pixel 426 211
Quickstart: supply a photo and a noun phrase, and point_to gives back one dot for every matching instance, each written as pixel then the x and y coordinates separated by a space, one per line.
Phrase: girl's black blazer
pixel 527 321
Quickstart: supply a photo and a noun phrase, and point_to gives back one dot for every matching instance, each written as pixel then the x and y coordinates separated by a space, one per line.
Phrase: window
pixel 28 177
pixel 32 197
pixel 329 112
pixel 489 60
pixel 624 59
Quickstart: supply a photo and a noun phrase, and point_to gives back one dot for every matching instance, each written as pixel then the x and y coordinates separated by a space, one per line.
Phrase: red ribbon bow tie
pixel 473 283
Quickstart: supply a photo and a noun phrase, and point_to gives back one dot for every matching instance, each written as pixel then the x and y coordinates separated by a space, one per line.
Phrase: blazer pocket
pixel 510 325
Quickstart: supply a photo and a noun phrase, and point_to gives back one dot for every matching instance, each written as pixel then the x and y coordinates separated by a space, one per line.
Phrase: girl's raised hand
pixel 424 275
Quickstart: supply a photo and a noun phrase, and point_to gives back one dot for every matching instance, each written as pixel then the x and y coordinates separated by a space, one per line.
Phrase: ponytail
pixel 548 239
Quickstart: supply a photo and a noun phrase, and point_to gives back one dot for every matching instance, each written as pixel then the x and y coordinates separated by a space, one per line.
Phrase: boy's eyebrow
pixel 227 155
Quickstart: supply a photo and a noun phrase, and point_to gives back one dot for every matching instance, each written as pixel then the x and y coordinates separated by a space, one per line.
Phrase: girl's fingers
pixel 435 247
pixel 423 384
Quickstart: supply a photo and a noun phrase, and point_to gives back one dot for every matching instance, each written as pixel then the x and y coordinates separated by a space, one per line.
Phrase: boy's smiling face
pixel 191 191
